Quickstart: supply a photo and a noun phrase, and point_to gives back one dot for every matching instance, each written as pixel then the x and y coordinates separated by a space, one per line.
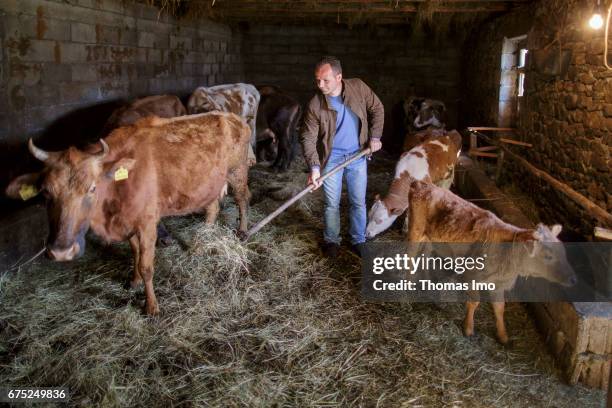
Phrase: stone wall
pixel 567 118
pixel 395 62
pixel 66 65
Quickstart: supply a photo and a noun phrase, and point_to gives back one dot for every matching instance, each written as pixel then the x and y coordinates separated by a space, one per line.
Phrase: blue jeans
pixel 356 181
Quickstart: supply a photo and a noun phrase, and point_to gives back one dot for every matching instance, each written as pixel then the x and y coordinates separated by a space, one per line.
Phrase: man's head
pixel 328 76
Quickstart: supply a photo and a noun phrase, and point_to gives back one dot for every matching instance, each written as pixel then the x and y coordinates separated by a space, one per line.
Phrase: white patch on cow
pixel 379 219
pixel 439 143
pixel 417 167
pixel 431 122
pixel 458 153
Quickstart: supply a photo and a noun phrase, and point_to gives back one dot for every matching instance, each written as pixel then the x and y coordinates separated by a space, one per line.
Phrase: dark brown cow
pixel 421 113
pixel 435 214
pixel 277 120
pixel 163 106
pixel 156 168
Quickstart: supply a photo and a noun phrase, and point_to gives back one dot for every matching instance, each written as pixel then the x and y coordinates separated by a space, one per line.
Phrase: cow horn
pixel 40 154
pixel 105 149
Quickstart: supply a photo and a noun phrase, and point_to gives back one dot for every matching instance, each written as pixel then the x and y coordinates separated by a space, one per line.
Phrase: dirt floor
pixel 269 323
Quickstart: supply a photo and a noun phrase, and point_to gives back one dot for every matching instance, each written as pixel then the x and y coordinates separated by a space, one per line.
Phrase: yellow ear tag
pixel 121 174
pixel 27 191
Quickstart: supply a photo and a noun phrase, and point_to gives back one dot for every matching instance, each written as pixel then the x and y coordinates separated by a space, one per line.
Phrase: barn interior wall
pixel 394 62
pixel 567 118
pixel 66 65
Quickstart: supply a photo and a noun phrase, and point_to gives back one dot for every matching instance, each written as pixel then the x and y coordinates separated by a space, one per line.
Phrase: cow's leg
pixel 498 309
pixel 468 322
pixel 283 148
pixel 237 179
pixel 147 239
pixel 136 278
pixel 212 211
pixel 416 220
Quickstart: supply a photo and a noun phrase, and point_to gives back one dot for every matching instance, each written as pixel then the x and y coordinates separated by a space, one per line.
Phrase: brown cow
pixel 163 106
pixel 438 215
pixel 156 168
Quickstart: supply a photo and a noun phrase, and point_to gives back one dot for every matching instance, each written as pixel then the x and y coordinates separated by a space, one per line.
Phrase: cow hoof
pixel 504 341
pixel 133 285
pixel 165 241
pixel 242 235
pixel 151 310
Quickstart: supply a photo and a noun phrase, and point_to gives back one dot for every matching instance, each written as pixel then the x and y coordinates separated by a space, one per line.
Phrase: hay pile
pixel 269 323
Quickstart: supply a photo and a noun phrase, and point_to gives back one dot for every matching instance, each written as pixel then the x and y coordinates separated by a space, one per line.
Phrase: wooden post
pixel 500 163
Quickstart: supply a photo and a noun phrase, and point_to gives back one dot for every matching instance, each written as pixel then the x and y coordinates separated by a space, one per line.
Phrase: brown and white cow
pixel 163 106
pixel 414 139
pixel 155 168
pixel 277 120
pixel 432 161
pixel 241 99
pixel 435 214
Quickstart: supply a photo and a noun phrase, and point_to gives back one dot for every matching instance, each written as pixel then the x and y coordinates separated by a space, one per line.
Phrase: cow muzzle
pixel 67 254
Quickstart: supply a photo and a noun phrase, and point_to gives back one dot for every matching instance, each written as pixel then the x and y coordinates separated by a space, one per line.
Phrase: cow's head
pixel 201 102
pixel 430 113
pixel 68 182
pixel 381 217
pixel 547 258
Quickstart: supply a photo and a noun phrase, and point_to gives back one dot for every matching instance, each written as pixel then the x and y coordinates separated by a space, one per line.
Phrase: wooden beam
pixel 478 153
pixel 603 233
pixel 514 142
pixel 493 129
pixel 486 148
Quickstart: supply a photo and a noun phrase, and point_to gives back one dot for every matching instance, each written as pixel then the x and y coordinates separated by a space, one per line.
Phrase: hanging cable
pixel 605 56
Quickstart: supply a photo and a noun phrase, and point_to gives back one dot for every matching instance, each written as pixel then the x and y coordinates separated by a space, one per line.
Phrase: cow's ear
pixel 120 169
pixel 377 197
pixel 397 211
pixel 24 187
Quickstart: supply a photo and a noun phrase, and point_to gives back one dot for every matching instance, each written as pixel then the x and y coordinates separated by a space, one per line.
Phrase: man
pixel 340 120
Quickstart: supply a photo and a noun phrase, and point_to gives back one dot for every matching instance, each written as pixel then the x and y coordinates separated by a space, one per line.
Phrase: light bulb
pixel 596 22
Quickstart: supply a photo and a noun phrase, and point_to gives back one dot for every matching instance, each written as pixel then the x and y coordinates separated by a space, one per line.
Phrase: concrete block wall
pixel 568 118
pixel 64 65
pixel 394 62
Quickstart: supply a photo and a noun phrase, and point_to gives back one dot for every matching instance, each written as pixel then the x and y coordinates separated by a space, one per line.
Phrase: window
pixel 512 80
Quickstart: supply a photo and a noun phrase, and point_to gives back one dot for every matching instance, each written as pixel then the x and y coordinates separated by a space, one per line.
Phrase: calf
pixel 278 116
pixel 155 168
pixel 438 215
pixel 163 106
pixel 433 161
pixel 241 99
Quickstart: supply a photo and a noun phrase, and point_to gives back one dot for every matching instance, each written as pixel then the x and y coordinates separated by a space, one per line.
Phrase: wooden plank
pixel 473 141
pixel 486 148
pixel 603 233
pixel 515 142
pixel 476 153
pixel 492 129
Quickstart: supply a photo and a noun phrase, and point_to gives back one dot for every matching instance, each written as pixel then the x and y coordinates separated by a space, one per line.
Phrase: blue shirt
pixel 346 140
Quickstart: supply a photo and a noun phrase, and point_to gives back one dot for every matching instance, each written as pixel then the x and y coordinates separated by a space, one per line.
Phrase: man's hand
pixel 375 145
pixel 314 177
